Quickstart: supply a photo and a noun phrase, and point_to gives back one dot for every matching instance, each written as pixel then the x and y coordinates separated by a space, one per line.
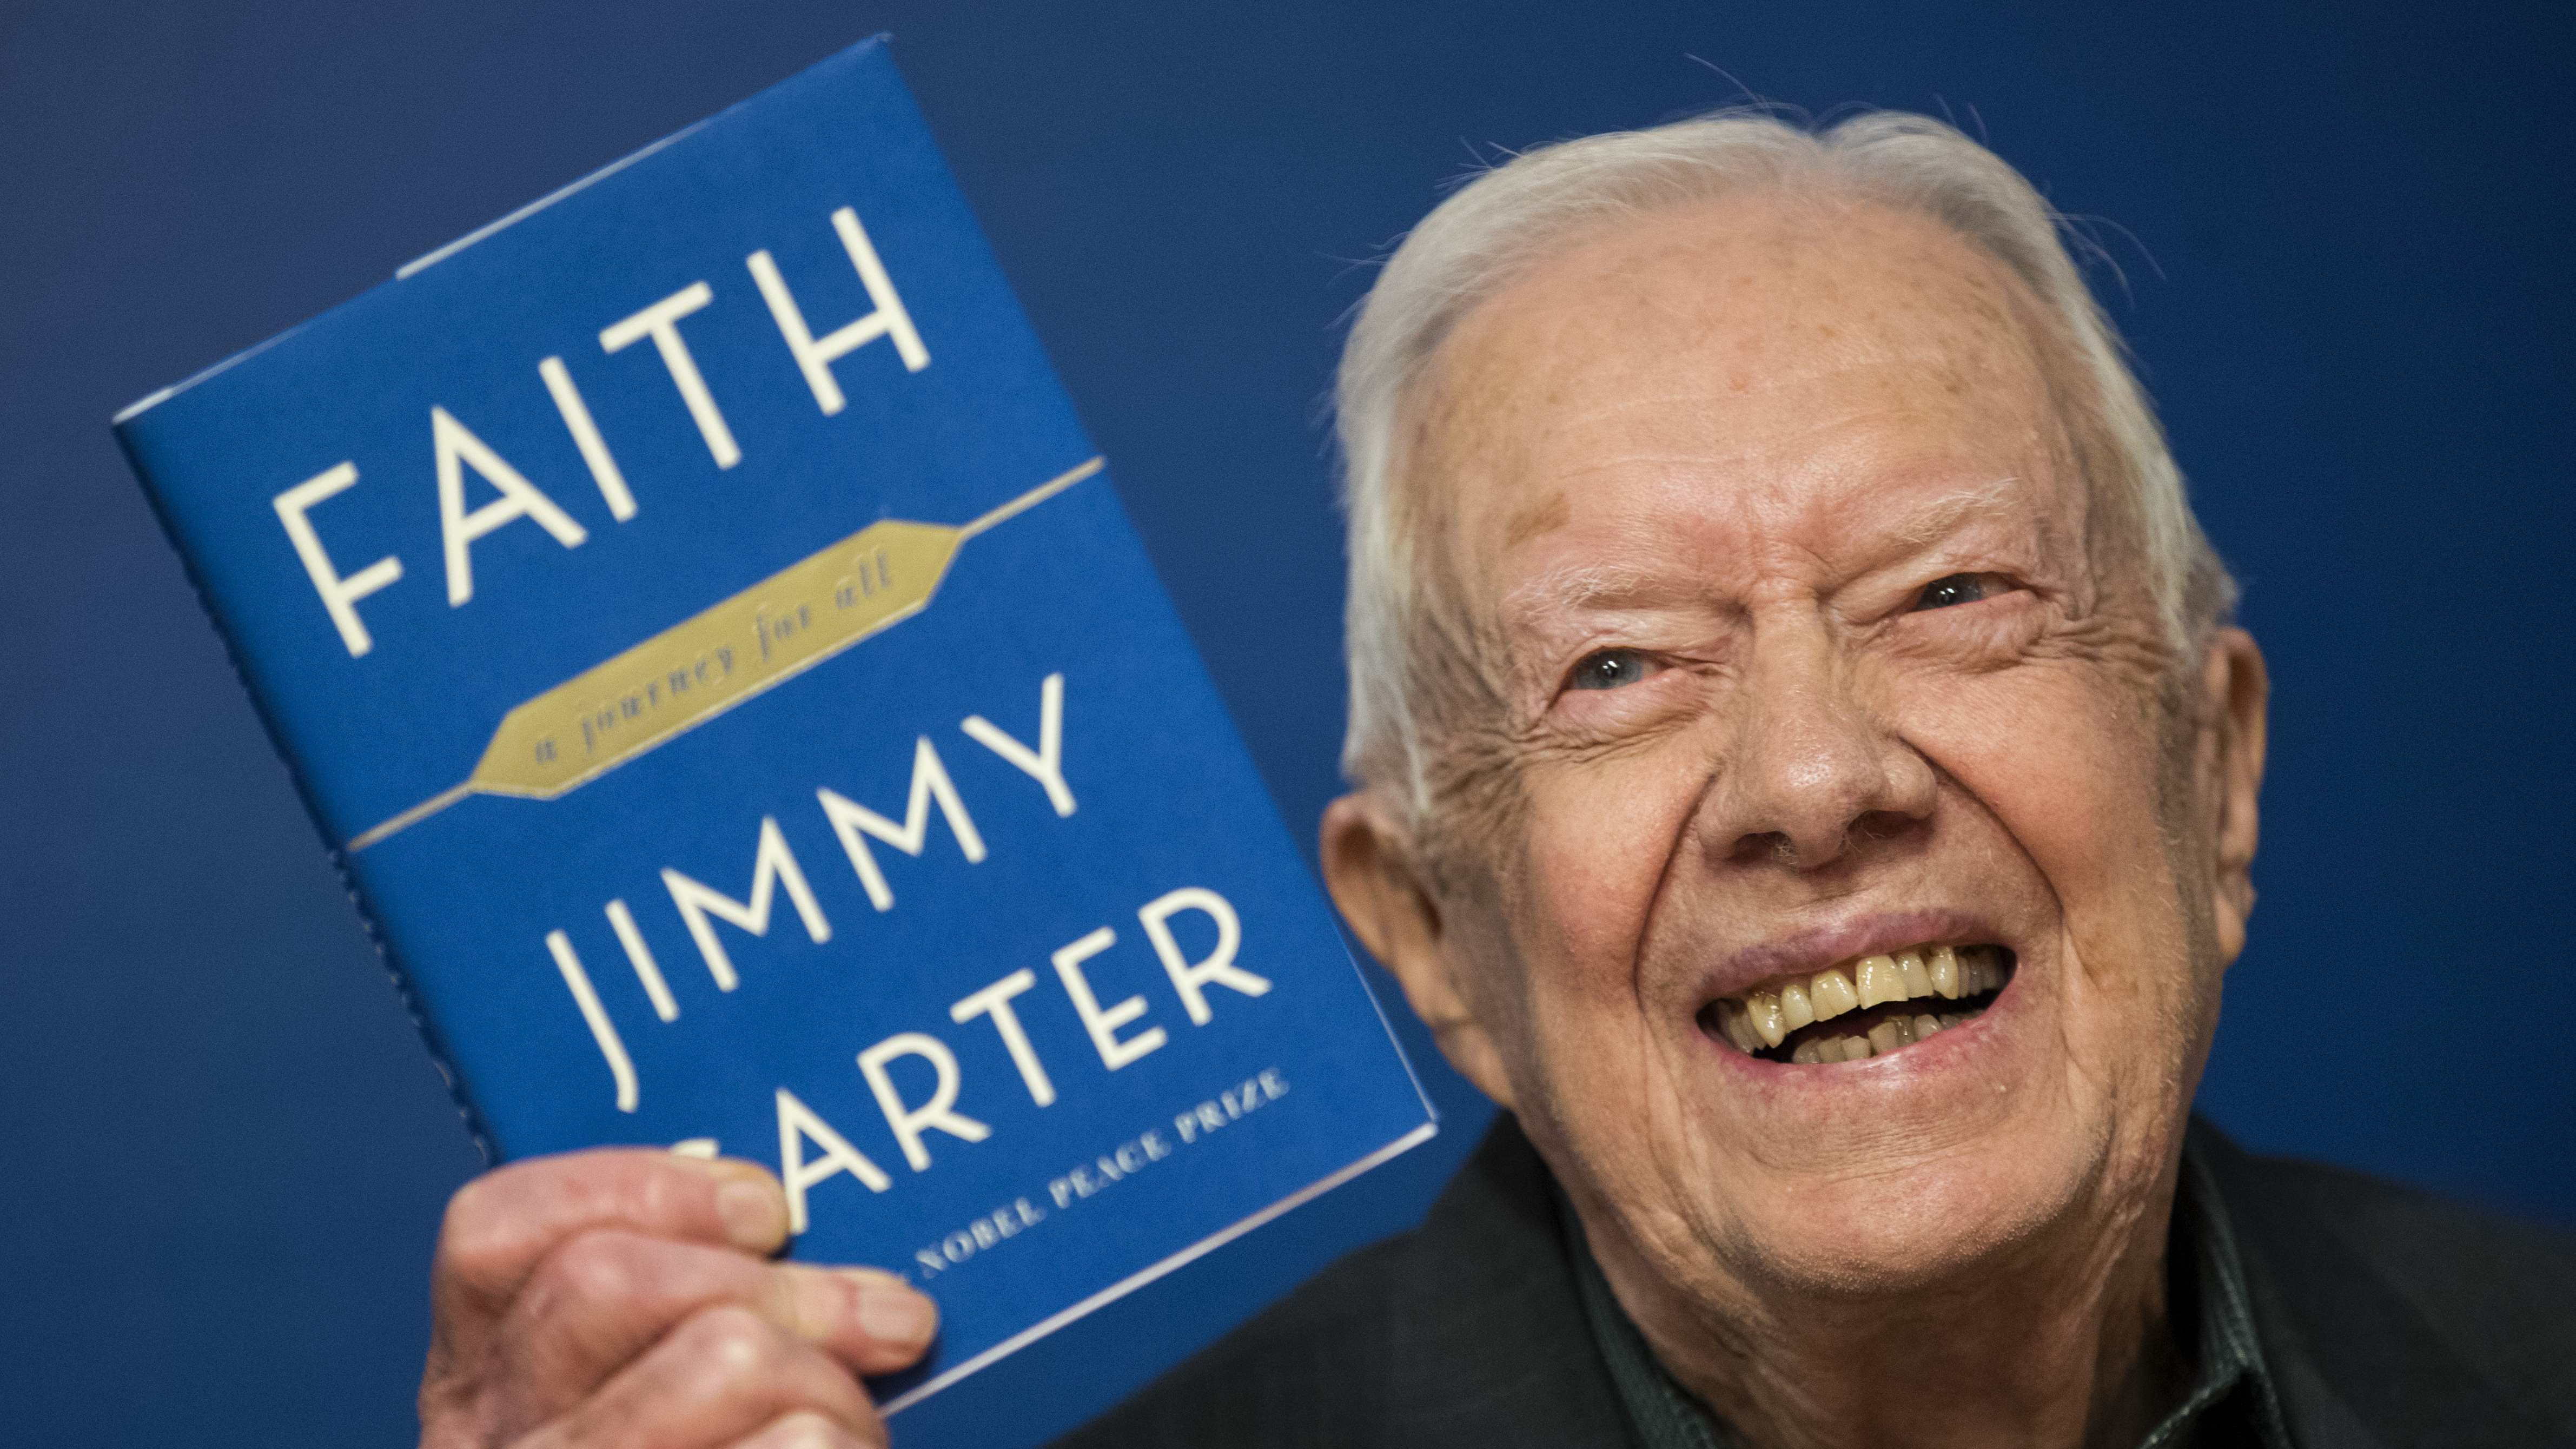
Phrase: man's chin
pixel 1949 1219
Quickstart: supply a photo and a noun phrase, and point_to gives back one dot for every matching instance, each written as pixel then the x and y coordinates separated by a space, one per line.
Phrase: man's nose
pixel 1814 770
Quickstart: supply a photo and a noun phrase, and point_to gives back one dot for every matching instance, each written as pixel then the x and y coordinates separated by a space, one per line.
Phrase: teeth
pixel 1880 981
pixel 1764 1007
pixel 1832 993
pixel 1795 1010
pixel 1764 1019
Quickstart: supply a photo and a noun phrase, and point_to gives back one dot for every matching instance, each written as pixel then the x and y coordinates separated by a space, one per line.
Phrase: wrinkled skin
pixel 627 1298
pixel 1735 445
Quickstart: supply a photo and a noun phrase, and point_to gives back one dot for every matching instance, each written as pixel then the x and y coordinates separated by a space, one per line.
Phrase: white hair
pixel 1514 216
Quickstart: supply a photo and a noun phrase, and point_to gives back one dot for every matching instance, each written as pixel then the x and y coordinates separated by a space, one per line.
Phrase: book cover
pixel 717 660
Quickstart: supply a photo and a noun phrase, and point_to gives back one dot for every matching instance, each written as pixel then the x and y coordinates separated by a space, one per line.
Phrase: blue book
pixel 715 656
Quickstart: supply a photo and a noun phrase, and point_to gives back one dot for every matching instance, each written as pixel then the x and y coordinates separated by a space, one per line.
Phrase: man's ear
pixel 1369 867
pixel 2236 690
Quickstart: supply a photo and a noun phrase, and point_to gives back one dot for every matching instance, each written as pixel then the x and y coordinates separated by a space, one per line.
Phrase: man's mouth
pixel 1864 1007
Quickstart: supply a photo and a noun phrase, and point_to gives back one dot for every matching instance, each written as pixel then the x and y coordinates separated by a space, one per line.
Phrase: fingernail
pixel 891 1312
pixel 754 1213
pixel 808 1303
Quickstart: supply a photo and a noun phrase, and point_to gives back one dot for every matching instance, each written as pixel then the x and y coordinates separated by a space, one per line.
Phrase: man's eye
pixel 1956 589
pixel 1610 669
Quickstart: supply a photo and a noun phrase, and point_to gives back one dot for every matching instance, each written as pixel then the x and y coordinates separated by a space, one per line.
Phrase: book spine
pixel 385 953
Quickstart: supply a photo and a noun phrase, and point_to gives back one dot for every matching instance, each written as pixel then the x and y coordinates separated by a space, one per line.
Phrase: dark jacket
pixel 2386 1318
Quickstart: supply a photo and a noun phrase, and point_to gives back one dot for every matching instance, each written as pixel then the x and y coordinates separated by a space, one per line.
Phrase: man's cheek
pixel 2050 753
pixel 2080 798
pixel 1589 877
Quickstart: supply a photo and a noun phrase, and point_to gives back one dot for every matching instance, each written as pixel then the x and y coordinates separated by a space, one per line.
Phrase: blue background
pixel 2340 234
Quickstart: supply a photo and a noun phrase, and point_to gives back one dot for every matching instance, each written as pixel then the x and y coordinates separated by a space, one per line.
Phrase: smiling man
pixel 1807 777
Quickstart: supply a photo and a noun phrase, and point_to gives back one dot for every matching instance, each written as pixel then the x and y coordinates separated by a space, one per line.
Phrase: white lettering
pixel 909 1122
pixel 1115 1165
pixel 339 595
pixel 775 864
pixel 815 358
pixel 640 956
pixel 1230 1105
pixel 602 1030
pixel 1190 979
pixel 796 1123
pixel 457 449
pixel 855 822
pixel 585 435
pixel 661 322
pixel 995 1001
pixel 1045 764
pixel 1103 1025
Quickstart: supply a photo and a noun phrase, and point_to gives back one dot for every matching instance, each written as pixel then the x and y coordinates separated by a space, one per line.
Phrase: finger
pixel 604 1297
pixel 810 1431
pixel 502 1224
pixel 720 1376
pixel 872 1321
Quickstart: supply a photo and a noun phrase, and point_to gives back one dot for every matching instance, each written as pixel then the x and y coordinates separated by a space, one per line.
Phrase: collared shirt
pixel 2231 1401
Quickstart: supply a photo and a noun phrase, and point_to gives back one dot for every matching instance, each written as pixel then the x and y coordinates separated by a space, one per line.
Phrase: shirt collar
pixel 2231 1400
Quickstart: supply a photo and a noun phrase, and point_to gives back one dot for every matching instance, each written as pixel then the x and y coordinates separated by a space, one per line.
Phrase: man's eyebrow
pixel 1588 586
pixel 1945 513
pixel 1596 586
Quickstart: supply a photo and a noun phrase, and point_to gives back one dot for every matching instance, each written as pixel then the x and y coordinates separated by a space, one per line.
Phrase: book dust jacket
pixel 719 663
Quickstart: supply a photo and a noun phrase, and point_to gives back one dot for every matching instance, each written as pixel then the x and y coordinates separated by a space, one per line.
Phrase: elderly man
pixel 1808 779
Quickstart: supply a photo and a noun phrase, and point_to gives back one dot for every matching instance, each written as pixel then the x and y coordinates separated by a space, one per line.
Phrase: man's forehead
pixel 1755 335
pixel 1760 274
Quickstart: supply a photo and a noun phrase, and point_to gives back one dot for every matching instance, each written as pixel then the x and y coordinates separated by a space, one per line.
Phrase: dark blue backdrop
pixel 2340 236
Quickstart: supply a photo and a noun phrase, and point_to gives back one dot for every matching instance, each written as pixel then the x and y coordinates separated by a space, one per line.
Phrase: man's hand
pixel 626 1298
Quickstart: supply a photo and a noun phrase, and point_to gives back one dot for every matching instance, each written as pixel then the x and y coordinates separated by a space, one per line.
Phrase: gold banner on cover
pixel 725 654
